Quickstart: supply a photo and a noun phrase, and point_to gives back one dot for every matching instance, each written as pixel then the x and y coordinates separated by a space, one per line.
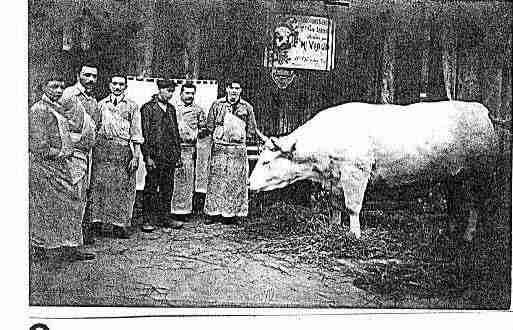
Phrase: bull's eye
pixel 265 162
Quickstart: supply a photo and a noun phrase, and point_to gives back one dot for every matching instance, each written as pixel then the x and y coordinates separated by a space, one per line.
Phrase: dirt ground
pixel 286 255
pixel 200 266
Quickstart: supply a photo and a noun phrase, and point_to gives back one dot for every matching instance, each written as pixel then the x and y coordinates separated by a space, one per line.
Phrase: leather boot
pixel 88 233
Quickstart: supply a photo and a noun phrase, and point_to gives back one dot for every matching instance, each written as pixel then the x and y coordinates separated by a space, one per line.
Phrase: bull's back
pixel 403 142
pixel 431 140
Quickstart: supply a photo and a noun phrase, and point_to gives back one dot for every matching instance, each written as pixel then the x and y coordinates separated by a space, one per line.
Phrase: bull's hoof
pixel 468 237
pixel 335 223
pixel 355 234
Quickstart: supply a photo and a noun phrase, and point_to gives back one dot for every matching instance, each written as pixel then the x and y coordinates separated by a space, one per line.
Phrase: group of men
pixel 98 178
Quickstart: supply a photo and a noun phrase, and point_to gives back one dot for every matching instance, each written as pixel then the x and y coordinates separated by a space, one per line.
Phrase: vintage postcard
pixel 266 160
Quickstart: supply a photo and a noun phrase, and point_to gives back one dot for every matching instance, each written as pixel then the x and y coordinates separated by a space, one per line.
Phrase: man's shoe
pixel 77 255
pixel 147 228
pixel 232 221
pixel 88 234
pixel 89 239
pixel 174 224
pixel 83 256
pixel 209 220
pixel 37 254
pixel 96 228
pixel 121 232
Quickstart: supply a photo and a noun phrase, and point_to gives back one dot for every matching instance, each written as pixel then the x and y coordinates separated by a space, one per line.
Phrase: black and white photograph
pixel 327 155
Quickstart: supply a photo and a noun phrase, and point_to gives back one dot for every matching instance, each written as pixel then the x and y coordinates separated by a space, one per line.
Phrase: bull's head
pixel 283 38
pixel 278 166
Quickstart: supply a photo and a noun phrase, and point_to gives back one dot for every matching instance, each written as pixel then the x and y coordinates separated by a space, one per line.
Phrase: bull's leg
pixel 455 206
pixel 336 212
pixel 465 203
pixel 471 224
pixel 354 182
pixel 336 217
pixel 354 223
pixel 479 191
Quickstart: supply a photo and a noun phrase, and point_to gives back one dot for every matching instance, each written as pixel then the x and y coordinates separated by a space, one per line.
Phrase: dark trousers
pixel 158 191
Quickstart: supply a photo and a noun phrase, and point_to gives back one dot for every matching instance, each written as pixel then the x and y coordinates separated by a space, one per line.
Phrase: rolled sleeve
pixel 211 118
pixel 136 135
pixel 251 125
pixel 38 136
pixel 202 119
pixel 146 148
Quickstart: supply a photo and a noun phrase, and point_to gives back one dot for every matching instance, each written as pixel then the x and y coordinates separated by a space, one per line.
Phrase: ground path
pixel 199 266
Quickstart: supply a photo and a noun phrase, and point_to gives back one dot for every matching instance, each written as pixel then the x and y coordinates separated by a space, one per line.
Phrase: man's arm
pixel 38 137
pixel 202 123
pixel 88 139
pixel 211 118
pixel 136 136
pixel 176 135
pixel 145 131
pixel 251 126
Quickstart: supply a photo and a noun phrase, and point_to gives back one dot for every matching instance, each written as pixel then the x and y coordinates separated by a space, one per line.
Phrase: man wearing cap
pixel 161 154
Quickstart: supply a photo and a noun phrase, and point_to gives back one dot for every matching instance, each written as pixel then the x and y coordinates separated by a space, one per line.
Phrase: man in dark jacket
pixel 161 153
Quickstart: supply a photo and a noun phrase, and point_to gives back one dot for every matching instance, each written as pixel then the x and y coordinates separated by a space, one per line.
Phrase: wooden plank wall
pixel 216 39
pixel 233 44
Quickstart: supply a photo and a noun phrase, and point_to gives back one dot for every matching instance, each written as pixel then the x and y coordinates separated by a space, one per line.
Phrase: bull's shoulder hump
pixel 346 109
pixel 470 106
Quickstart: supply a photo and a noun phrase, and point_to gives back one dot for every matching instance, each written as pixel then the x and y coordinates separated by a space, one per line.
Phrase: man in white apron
pixel 191 126
pixel 231 121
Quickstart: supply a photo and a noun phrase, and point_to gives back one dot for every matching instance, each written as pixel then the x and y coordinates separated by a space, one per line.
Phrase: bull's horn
pixel 275 143
pixel 261 136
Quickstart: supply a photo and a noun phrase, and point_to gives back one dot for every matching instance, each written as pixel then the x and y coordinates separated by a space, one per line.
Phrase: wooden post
pixel 191 54
pixel 144 43
pixel 449 55
pixel 468 74
pixel 388 59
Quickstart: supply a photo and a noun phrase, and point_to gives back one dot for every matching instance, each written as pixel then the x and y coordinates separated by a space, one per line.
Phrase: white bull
pixel 347 146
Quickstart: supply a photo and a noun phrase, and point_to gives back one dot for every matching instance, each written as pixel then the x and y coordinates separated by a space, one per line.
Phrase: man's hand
pixel 150 164
pixel 133 165
pixel 202 133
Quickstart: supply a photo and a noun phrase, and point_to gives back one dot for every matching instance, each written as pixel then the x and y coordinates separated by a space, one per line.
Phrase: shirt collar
pixel 180 103
pixel 46 99
pixel 81 90
pixel 162 105
pixel 236 103
pixel 120 98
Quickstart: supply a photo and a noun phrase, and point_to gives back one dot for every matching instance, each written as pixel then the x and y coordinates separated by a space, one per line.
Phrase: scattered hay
pixel 405 253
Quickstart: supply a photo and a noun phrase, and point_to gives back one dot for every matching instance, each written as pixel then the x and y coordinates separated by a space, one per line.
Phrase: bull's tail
pixel 501 123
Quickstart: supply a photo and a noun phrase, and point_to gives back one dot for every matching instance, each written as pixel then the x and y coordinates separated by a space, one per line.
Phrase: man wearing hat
pixel 161 154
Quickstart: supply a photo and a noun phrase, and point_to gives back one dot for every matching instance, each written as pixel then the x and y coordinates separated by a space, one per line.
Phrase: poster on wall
pixel 141 91
pixel 300 42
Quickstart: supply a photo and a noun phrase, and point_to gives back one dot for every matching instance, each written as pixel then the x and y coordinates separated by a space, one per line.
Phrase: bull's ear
pixel 289 154
pixel 274 144
pixel 293 147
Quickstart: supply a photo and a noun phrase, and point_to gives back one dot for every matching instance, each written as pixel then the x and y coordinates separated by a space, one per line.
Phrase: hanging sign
pixel 300 42
pixel 282 77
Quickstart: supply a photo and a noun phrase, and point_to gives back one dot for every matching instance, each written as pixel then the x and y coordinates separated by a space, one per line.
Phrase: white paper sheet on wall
pixel 141 90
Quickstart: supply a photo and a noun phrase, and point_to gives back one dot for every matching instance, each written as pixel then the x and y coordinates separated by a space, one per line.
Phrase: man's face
pixel 165 94
pixel 233 91
pixel 88 77
pixel 53 89
pixel 117 85
pixel 187 95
